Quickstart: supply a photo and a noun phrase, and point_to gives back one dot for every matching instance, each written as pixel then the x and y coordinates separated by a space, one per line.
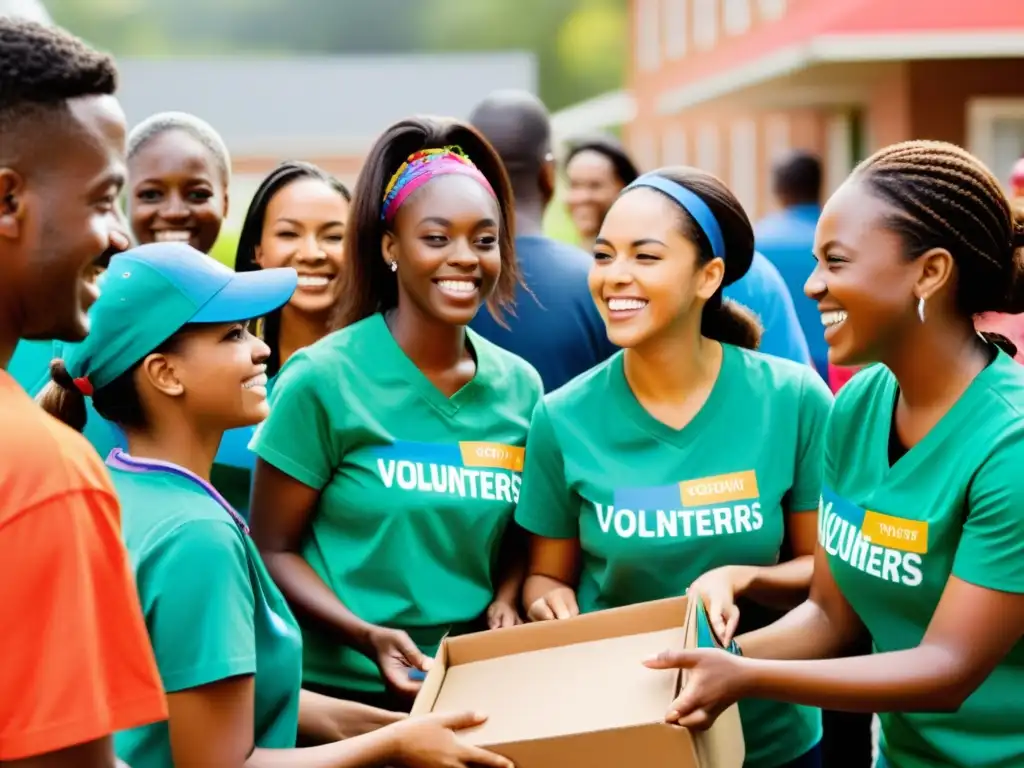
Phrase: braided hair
pixel 946 198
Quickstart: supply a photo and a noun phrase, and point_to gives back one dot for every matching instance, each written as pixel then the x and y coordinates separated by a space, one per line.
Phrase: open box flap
pixel 722 745
pixel 431 688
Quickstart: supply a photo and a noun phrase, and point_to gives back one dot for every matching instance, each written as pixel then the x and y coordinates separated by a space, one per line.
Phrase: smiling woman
pixel 402 391
pixel 297 219
pixel 179 172
pixel 676 487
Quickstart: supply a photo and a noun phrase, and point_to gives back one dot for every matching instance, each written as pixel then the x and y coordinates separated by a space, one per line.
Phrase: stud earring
pixel 920 309
pixel 394 266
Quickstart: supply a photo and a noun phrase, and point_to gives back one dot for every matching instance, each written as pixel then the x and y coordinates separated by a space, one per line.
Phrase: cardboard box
pixel 571 693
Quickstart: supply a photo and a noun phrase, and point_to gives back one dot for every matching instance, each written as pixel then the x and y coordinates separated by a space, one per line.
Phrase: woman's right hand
pixel 429 741
pixel 396 654
pixel 559 603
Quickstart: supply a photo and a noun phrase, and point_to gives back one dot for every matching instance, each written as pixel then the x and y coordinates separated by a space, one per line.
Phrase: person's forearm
pixel 783 586
pixel 537 586
pixel 804 633
pixel 309 595
pixel 921 679
pixel 511 571
pixel 368 751
pixel 324 719
pixel 510 583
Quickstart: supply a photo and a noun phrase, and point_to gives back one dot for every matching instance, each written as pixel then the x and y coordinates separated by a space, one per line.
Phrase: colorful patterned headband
pixel 420 168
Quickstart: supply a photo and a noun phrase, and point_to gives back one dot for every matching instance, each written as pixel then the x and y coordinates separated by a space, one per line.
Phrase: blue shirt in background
pixel 557 330
pixel 763 291
pixel 786 238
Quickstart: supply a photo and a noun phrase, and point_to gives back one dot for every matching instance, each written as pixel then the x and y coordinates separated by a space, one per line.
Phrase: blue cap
pixel 150 292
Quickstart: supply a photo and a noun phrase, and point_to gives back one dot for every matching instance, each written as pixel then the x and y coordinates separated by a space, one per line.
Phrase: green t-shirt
pixel 211 608
pixel 417 489
pixel 654 507
pixel 953 504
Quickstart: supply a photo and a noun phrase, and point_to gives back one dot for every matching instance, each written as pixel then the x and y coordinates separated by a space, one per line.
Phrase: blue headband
pixel 689 202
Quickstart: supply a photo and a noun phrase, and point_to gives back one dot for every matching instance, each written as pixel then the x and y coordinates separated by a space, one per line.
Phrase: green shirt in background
pixel 417 489
pixel 654 508
pixel 211 609
pixel 952 505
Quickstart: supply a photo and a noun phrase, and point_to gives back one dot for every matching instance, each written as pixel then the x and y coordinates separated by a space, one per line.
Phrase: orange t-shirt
pixel 75 659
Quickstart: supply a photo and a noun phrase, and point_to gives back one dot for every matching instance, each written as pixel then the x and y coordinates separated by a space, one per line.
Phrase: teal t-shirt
pixel 654 507
pixel 952 505
pixel 417 488
pixel 211 608
pixel 232 469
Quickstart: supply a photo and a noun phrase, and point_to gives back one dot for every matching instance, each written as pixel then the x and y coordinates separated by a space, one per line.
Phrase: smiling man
pixel 77 663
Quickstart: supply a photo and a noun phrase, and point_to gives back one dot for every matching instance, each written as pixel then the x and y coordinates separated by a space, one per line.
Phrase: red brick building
pixel 726 84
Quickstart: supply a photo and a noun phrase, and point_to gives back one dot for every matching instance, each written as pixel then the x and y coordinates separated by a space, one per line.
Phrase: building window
pixel 737 16
pixel 771 10
pixel 645 150
pixel 705 22
pixel 673 146
pixel 776 135
pixel 743 164
pixel 648 40
pixel 776 144
pixel 838 151
pixel 995 134
pixel 675 27
pixel 708 148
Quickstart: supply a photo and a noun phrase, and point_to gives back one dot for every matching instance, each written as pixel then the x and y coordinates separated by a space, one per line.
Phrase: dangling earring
pixel 920 309
pixel 394 266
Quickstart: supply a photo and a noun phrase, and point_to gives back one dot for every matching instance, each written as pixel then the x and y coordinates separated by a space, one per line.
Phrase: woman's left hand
pixel 718 590
pixel 714 681
pixel 502 613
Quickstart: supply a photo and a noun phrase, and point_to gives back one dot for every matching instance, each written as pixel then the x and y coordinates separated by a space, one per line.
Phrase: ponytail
pixel 62 399
pixel 1000 341
pixel 728 322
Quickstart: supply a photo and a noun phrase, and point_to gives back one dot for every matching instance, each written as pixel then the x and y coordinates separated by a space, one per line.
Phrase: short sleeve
pixel 991 550
pixel 199 605
pixel 77 663
pixel 545 505
pixel 813 413
pixel 297 437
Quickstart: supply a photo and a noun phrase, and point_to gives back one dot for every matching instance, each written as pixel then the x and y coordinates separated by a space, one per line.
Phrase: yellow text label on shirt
pixel 895 532
pixel 734 486
pixel 493 455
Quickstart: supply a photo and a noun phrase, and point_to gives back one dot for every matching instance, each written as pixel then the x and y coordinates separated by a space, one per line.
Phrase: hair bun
pixel 61 377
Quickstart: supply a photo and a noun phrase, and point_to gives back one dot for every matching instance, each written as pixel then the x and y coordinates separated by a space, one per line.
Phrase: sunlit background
pixel 723 84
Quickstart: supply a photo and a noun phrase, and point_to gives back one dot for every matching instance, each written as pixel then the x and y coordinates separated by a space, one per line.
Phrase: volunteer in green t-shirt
pixel 296 218
pixel 687 461
pixel 169 360
pixel 921 529
pixel 389 468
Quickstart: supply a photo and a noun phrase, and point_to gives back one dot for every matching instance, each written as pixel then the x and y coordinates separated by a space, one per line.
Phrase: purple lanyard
pixel 118 459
